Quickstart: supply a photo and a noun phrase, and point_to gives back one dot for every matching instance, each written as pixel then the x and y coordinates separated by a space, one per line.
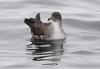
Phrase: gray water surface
pixel 81 22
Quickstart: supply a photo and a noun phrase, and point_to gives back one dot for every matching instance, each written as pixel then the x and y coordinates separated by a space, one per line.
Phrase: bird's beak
pixel 49 19
pixel 25 18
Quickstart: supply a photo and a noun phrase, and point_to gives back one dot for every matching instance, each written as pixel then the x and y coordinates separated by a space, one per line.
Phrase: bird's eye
pixel 56 15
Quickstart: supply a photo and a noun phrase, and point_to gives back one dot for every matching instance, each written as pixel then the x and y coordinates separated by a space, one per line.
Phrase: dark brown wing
pixel 37 17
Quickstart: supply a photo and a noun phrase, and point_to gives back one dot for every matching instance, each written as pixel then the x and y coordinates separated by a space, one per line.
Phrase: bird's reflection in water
pixel 43 50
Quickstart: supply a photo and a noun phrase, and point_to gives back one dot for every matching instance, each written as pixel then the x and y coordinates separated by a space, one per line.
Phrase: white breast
pixel 56 31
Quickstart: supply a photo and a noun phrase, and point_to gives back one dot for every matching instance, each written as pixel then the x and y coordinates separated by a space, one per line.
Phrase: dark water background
pixel 81 22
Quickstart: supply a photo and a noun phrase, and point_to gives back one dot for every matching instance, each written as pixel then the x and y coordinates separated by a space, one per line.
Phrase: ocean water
pixel 80 50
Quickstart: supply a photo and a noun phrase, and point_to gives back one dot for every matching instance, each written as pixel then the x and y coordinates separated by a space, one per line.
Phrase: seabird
pixel 51 30
pixel 38 28
pixel 55 29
